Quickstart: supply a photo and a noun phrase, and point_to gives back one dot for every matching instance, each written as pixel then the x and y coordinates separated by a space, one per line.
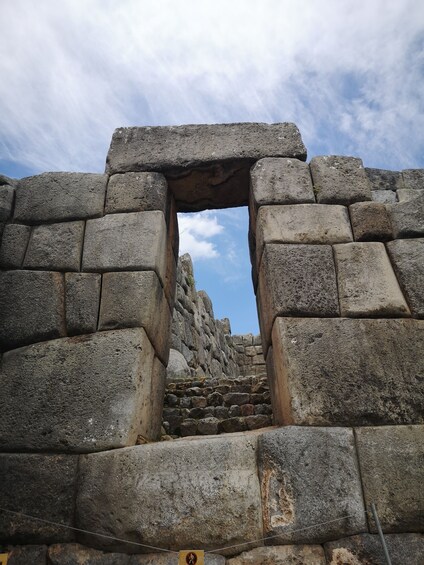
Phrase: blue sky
pixel 349 73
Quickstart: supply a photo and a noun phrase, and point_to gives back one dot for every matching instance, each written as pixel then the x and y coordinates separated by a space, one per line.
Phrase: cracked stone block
pixel 56 247
pixel 370 221
pixel 206 166
pixel 6 202
pixel 393 484
pixel 310 476
pixel 32 307
pixel 413 179
pixel 406 194
pixel 368 287
pixel 136 192
pixel 408 218
pixel 43 486
pixel 383 196
pixel 77 394
pixel 13 245
pixel 281 555
pixel 407 256
pixel 381 179
pixel 296 280
pixel 58 197
pixel 212 482
pixel 123 242
pixel 136 299
pixel 347 372
pixel 339 180
pixel 82 298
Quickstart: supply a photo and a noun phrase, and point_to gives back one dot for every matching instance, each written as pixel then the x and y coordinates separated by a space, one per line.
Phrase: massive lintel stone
pixel 348 371
pixel 207 166
pixel 76 394
pixel 188 493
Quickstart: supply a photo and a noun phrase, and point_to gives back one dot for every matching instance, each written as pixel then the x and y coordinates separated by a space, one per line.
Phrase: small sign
pixel 5 556
pixel 192 557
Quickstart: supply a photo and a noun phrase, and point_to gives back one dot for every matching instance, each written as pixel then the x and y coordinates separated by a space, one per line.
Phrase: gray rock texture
pixel 82 300
pixel 136 299
pixel 177 368
pixel 370 221
pixel 296 280
pixel 123 242
pixel 391 460
pixel 206 166
pixel 339 180
pixel 170 489
pixel 382 179
pixel 281 555
pixel 150 412
pixel 383 196
pixel 32 307
pixel 413 178
pixel 43 486
pixel 408 218
pixel 55 247
pixel 348 371
pixel 27 555
pixel 310 476
pixel 6 202
pixel 367 283
pixel 13 245
pixel 407 256
pixel 57 197
pixel 136 192
pixel 365 549
pixel 76 394
pixel 407 194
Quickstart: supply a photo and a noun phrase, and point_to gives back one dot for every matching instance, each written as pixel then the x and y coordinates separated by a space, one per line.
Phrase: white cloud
pixel 195 229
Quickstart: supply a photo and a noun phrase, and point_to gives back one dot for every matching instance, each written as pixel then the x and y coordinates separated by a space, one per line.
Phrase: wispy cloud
pixel 195 231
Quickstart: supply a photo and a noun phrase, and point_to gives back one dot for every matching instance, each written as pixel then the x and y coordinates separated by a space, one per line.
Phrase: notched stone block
pixel 82 298
pixel 136 192
pixel 367 284
pixel 339 180
pixel 6 202
pixel 393 482
pixel 408 218
pixel 310 476
pixel 370 221
pixel 13 245
pixel 57 197
pixel 32 307
pixel 56 247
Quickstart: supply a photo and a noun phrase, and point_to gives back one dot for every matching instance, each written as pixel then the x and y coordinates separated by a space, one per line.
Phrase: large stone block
pixel 13 245
pixel 382 179
pixel 367 284
pixel 27 555
pixel 57 197
pixel 76 394
pixel 32 307
pixel 189 493
pixel 370 221
pixel 6 202
pixel 407 257
pixel 310 476
pixel 408 194
pixel 348 371
pixel 56 247
pixel 136 192
pixel 366 549
pixel 43 486
pixel 82 297
pixel 136 299
pixel 296 280
pixel 391 460
pixel 207 166
pixel 413 178
pixel 123 242
pixel 339 180
pixel 408 218
pixel 281 555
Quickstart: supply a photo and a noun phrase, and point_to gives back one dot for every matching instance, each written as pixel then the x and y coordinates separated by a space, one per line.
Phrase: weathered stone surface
pixel 7 180
pixel 6 202
pixel 43 486
pixel 80 394
pixel 296 280
pixel 339 180
pixel 348 371
pixel 82 299
pixel 27 555
pixel 310 476
pixel 367 284
pixel 212 482
pixel 382 179
pixel 391 460
pixel 407 256
pixel 31 306
pixel 56 247
pixel 408 218
pixel 177 367
pixel 153 393
pixel 136 299
pixel 122 242
pixel 136 192
pixel 413 178
pixel 57 197
pixel 370 221
pixel 366 549
pixel 383 196
pixel 302 223
pixel 406 194
pixel 206 166
pixel 281 555
pixel 13 245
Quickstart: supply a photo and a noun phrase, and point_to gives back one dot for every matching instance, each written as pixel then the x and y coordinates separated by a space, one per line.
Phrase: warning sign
pixel 3 558
pixel 192 557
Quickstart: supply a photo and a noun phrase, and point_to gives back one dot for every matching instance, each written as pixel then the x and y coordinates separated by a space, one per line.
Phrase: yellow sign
pixel 192 557
pixel 3 558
